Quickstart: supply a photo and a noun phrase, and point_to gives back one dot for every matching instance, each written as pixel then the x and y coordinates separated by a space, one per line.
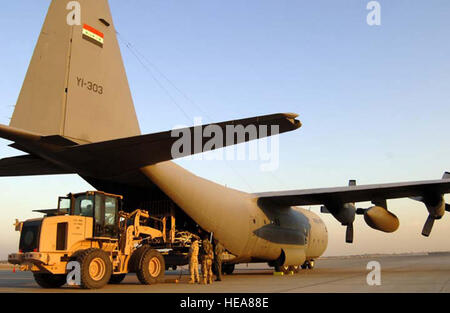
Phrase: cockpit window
pixel 110 211
pixel 104 210
pixel 64 205
pixel 84 205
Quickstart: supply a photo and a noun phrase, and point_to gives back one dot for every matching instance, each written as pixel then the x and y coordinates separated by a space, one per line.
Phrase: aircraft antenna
pixel 141 58
pixel 131 48
pixel 174 86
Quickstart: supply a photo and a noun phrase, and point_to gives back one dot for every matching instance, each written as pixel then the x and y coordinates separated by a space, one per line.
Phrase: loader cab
pixel 102 207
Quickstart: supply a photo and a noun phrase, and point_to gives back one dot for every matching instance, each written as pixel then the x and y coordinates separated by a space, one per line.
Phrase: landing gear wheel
pixel 46 280
pixel 116 279
pixel 295 268
pixel 228 269
pixel 308 265
pixel 96 268
pixel 285 269
pixel 150 269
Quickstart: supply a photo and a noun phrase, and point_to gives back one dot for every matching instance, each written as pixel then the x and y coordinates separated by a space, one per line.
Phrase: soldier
pixel 207 258
pixel 193 261
pixel 218 251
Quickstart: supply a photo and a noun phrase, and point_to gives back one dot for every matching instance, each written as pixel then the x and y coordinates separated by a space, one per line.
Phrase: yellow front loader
pixel 90 230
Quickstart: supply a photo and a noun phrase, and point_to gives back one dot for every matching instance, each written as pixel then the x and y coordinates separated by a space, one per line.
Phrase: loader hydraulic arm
pixel 133 231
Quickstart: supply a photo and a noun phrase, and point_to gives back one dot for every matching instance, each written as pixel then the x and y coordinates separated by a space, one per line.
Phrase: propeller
pixel 349 231
pixel 428 226
pixel 429 223
pixel 349 234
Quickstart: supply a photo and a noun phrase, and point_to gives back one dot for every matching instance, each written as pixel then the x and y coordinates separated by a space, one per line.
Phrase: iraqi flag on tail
pixel 93 35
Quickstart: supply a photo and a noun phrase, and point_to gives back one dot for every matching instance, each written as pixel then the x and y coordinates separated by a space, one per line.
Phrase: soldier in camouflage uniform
pixel 207 259
pixel 193 261
pixel 218 251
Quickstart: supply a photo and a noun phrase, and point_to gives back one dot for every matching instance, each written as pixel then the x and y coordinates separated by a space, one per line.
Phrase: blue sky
pixel 374 101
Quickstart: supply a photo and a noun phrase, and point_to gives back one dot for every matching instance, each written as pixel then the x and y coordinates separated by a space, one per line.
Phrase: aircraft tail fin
pixel 76 85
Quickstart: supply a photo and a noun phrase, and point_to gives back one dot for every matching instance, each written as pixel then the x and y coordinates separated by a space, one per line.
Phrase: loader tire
pixel 95 267
pixel 46 280
pixel 133 263
pixel 150 267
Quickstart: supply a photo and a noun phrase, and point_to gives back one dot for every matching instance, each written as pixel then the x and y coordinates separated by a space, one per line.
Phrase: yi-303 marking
pixel 89 85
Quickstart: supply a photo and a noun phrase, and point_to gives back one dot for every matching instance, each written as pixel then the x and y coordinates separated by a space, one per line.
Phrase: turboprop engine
pixel 344 213
pixel 379 218
pixel 436 207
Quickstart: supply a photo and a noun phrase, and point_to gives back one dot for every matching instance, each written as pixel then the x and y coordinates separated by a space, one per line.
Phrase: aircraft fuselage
pixel 249 229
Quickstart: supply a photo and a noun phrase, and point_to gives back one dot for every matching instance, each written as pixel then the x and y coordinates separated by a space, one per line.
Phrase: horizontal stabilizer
pixel 22 137
pixel 109 158
pixel 57 140
pixel 17 135
pixel 28 165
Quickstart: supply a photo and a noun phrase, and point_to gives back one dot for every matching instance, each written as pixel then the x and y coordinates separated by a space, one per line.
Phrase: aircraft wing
pixel 357 193
pixel 28 165
pixel 341 201
pixel 126 154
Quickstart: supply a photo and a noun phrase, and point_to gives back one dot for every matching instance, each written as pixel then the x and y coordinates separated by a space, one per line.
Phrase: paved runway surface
pixel 418 273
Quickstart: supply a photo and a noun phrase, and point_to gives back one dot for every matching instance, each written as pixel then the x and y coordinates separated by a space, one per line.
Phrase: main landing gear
pixel 287 269
pixel 308 265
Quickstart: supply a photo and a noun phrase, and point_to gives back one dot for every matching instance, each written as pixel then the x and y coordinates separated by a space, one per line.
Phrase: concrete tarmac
pixel 409 273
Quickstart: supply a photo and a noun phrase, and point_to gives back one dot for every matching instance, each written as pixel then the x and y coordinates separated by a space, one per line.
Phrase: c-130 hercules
pixel 75 115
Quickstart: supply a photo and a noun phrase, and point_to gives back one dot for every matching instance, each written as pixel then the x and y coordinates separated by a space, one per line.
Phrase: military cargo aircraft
pixel 75 115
